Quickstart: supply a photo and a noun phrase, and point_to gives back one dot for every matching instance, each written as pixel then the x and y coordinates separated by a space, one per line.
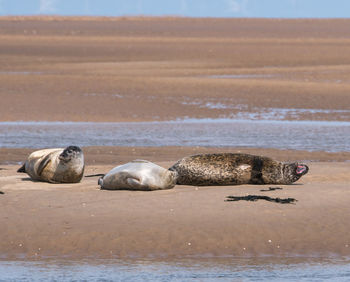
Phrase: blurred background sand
pixel 137 69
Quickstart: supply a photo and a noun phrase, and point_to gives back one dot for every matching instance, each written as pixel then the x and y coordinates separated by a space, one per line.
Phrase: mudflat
pixel 137 69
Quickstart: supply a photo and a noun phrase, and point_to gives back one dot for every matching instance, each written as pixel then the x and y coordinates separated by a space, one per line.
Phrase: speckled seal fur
pixel 235 169
pixel 59 165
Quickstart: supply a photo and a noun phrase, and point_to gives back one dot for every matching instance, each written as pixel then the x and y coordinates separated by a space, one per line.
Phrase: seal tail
pixel 22 169
pixel 93 175
pixel 100 182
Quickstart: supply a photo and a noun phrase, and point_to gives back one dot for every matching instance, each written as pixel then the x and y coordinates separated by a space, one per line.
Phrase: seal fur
pixel 58 165
pixel 235 169
pixel 138 175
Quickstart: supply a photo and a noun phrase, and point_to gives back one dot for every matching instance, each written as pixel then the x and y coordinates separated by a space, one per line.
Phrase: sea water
pixel 330 136
pixel 211 269
pixel 300 135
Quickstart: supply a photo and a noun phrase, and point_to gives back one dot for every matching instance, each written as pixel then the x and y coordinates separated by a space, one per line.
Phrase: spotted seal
pixel 138 175
pixel 235 169
pixel 57 165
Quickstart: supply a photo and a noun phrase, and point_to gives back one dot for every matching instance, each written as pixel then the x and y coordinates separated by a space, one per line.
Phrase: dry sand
pixel 79 220
pixel 137 69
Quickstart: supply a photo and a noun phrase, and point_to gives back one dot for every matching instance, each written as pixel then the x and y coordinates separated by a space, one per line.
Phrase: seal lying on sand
pixel 235 169
pixel 55 165
pixel 138 175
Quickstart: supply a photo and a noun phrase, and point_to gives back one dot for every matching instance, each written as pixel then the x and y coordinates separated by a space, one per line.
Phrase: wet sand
pixel 79 220
pixel 137 69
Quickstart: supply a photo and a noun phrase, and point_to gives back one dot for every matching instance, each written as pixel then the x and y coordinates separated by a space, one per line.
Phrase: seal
pixel 57 165
pixel 235 169
pixel 138 175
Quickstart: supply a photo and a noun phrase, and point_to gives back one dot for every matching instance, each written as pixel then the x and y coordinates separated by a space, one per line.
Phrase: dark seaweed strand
pixel 93 175
pixel 271 189
pixel 254 198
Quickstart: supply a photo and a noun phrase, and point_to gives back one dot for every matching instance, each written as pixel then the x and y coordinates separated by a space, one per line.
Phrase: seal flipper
pixel 22 168
pixel 43 164
pixel 243 172
pixel 134 182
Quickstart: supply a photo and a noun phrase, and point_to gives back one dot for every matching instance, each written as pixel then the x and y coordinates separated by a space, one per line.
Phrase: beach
pixel 113 70
pixel 80 220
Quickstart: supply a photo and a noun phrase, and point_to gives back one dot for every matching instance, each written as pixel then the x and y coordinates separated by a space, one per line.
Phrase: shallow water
pixel 246 112
pixel 19 72
pixel 300 135
pixel 213 269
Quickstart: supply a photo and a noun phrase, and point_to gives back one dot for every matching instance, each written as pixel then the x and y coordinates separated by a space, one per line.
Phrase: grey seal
pixel 59 165
pixel 138 175
pixel 235 169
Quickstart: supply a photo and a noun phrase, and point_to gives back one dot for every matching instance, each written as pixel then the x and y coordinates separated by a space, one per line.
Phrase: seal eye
pixel 302 169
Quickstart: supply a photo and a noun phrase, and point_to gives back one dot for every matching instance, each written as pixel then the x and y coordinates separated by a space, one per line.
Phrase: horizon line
pixel 124 17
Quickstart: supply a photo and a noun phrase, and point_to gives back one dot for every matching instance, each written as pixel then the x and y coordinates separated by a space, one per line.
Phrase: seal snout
pixel 302 169
pixel 64 156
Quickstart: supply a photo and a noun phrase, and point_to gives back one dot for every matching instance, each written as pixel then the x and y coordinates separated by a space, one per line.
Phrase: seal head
pixel 293 171
pixel 70 153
